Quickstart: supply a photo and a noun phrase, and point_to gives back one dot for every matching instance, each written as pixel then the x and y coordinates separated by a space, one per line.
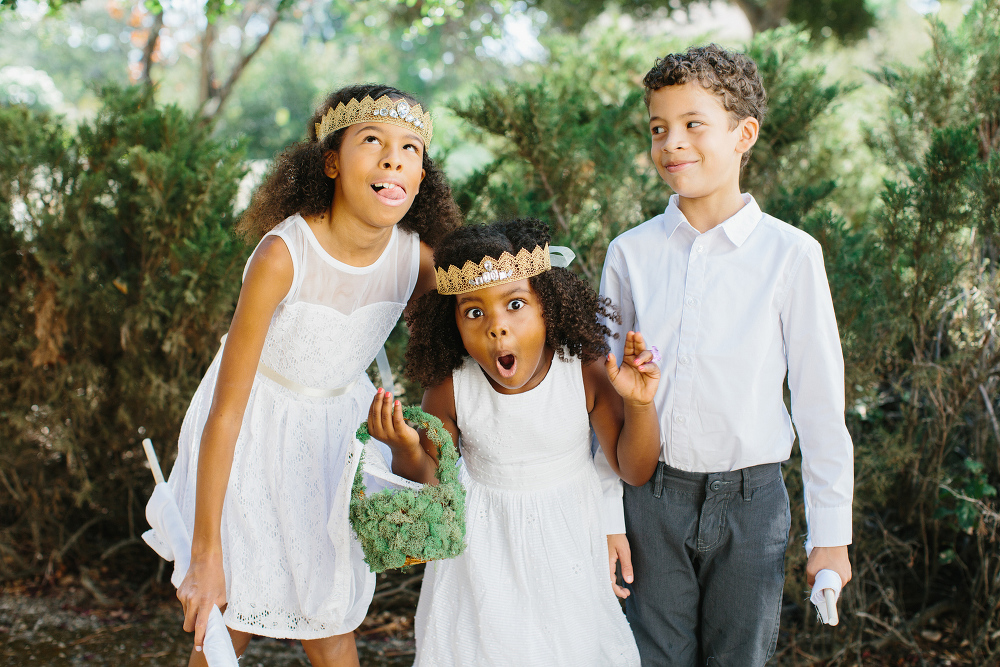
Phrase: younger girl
pixel 511 350
pixel 264 441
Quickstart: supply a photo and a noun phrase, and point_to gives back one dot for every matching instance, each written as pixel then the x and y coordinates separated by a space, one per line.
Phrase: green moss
pixel 428 524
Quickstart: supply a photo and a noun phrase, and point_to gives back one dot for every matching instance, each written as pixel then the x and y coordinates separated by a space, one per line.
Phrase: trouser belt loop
pixel 746 485
pixel 658 480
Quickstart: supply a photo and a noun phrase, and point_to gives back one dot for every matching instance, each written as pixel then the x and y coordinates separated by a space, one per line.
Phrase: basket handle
pixel 436 433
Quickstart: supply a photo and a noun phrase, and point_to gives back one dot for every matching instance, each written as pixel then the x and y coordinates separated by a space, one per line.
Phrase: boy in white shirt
pixel 735 300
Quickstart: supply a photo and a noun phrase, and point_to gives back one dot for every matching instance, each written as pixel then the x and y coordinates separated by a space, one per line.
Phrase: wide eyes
pixel 475 313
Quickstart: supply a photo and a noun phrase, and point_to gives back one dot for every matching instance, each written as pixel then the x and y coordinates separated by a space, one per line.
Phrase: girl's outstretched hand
pixel 386 423
pixel 638 377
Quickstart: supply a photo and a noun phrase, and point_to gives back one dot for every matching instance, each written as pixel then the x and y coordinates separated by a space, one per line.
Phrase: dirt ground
pixel 77 623
pixel 87 619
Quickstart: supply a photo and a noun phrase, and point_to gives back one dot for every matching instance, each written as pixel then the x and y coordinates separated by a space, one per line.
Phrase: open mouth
pixel 506 365
pixel 390 192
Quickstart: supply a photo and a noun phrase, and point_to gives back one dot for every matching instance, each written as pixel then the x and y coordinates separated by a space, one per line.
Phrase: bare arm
pixel 426 279
pixel 440 402
pixel 268 280
pixel 620 401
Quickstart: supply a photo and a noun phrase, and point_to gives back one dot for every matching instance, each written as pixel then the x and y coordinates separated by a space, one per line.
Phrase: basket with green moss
pixel 401 527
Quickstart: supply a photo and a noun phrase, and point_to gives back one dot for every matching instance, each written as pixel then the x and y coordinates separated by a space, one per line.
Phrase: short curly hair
pixel 297 182
pixel 570 307
pixel 731 76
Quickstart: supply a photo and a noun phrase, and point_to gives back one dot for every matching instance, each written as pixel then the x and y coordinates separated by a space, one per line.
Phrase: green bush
pixel 917 292
pixel 119 273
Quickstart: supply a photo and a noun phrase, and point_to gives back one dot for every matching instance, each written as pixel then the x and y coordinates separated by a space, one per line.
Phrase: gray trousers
pixel 708 552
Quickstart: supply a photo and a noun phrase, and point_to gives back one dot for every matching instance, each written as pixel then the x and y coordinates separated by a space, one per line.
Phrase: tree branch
pixel 150 49
pixel 214 102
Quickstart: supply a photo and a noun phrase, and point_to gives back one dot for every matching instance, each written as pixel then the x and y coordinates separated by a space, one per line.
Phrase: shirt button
pixel 679 419
pixel 685 360
pixel 690 301
pixel 701 249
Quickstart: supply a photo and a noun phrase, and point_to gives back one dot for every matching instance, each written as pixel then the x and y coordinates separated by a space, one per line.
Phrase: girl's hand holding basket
pixel 403 526
pixel 409 458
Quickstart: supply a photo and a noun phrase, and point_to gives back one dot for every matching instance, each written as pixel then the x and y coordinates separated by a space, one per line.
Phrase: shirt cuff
pixel 829 526
pixel 613 509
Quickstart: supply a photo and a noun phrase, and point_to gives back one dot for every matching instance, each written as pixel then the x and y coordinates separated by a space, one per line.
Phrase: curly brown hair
pixel 729 75
pixel 570 307
pixel 297 182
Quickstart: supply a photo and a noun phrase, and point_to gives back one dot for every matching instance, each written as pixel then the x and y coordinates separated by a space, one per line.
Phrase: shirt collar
pixel 737 228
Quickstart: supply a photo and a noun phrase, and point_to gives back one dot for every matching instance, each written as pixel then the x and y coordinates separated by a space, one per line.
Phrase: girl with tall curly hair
pixel 515 364
pixel 344 221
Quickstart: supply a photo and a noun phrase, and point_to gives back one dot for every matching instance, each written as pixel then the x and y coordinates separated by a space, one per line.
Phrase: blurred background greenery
pixel 132 132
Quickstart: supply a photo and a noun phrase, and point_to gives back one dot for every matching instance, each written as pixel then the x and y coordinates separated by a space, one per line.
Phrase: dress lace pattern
pixel 291 571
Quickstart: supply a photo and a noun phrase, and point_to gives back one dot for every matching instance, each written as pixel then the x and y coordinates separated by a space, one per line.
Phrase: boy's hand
pixel 620 551
pixel 639 376
pixel 828 558
pixel 385 423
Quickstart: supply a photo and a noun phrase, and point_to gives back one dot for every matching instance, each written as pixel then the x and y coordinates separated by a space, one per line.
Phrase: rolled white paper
pixel 825 593
pixel 154 464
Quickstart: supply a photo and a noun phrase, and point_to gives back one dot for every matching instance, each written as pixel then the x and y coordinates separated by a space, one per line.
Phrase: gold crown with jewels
pixel 489 272
pixel 383 110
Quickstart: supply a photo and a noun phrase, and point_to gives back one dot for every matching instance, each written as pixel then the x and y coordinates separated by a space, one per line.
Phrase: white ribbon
pixel 274 375
pixel 561 256
pixel 170 539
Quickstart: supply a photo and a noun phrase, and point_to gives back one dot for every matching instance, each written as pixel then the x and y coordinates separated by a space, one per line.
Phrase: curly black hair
pixel 570 307
pixel 297 183
pixel 729 75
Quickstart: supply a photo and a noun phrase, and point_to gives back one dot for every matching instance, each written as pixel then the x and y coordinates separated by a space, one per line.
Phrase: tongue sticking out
pixel 390 192
pixel 505 365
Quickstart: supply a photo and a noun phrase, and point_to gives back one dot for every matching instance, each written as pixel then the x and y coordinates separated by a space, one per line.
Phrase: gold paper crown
pixel 382 110
pixel 490 272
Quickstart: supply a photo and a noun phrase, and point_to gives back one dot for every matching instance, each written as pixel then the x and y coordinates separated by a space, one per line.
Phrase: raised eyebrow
pixel 520 292
pixel 468 300
pixel 415 138
pixel 367 128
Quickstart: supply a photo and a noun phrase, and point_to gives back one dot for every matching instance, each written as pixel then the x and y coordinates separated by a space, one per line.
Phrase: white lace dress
pixel 289 574
pixel 532 587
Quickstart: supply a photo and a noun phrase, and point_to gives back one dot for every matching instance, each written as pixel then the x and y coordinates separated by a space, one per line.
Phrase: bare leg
pixel 240 642
pixel 336 651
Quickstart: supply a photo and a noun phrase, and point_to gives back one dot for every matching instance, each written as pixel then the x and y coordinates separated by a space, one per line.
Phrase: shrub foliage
pixel 119 273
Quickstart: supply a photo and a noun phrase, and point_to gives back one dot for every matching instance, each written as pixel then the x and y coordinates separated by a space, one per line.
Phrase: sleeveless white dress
pixel 532 587
pixel 288 573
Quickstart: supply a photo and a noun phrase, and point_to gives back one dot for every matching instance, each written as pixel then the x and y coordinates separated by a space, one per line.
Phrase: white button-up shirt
pixel 732 311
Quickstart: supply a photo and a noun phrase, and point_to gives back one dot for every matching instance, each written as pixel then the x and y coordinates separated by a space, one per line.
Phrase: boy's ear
pixel 332 164
pixel 749 129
